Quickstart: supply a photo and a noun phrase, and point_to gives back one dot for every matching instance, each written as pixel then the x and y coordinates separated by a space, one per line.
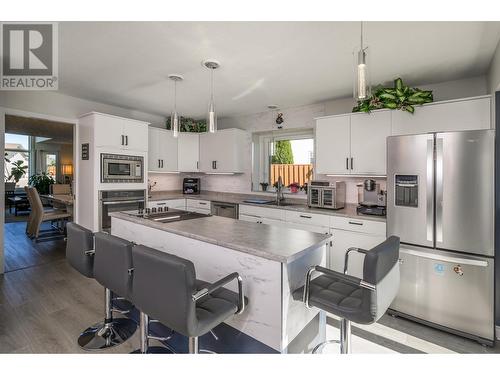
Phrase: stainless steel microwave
pixel 122 168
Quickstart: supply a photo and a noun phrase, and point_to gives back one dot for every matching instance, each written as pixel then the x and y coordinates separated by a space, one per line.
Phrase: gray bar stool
pixel 352 299
pixel 165 287
pixel 113 270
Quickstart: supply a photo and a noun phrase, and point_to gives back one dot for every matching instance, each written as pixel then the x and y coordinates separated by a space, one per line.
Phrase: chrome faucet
pixel 279 191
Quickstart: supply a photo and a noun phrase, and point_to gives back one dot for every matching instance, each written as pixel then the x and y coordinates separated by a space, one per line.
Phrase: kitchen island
pixel 272 261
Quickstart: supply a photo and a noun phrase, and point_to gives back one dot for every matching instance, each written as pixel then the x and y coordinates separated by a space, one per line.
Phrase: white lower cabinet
pixel 343 240
pixel 170 203
pixel 198 205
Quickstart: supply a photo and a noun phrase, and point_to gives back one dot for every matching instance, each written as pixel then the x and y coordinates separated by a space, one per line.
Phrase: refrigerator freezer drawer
pixel 449 289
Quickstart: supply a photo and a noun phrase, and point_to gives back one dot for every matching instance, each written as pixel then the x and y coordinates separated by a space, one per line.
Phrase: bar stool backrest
pixel 113 264
pixel 163 288
pixel 381 268
pixel 80 240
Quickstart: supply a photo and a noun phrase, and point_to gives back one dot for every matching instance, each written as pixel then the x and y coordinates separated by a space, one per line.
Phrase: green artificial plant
pixel 189 125
pixel 400 97
pixel 41 182
pixel 18 170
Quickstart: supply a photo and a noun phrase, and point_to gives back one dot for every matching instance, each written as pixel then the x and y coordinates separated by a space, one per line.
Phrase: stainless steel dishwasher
pixel 224 209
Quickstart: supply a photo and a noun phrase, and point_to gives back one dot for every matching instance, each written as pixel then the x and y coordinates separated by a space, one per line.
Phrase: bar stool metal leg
pixel 193 345
pixel 345 336
pixel 144 323
pixel 110 333
pixel 345 339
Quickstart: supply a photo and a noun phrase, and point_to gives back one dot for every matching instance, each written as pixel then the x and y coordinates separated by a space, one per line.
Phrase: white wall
pixel 303 117
pixel 60 105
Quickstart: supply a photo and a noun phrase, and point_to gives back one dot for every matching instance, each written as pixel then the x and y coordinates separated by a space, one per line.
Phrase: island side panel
pixel 296 316
pixel 262 277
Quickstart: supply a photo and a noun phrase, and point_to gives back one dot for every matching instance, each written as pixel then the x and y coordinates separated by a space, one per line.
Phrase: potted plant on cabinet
pixel 294 187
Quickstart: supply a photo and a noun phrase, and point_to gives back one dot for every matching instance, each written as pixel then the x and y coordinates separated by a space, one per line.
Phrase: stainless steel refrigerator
pixel 440 202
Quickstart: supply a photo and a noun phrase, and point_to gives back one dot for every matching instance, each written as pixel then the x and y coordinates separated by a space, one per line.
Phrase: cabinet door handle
pixel 355 223
pixel 214 164
pixel 159 165
pixel 203 203
pixel 197 165
pixel 126 140
pixel 306 216
pixel 346 163
pixel 352 163
pixel 123 140
pixel 161 204
pixel 162 163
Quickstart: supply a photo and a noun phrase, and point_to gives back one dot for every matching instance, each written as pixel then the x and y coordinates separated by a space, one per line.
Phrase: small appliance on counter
pixel 372 200
pixel 322 194
pixel 191 186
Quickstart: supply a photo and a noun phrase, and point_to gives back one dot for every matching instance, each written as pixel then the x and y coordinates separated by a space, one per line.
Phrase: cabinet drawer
pixel 358 225
pixel 307 218
pixel 309 228
pixel 198 203
pixel 172 203
pixel 270 213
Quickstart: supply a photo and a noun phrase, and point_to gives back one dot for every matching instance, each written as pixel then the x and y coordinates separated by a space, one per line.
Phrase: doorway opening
pixel 38 176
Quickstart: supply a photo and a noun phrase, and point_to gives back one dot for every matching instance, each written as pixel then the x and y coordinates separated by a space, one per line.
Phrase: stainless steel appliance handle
pixel 444 258
pixel 430 189
pixel 120 202
pixel 439 189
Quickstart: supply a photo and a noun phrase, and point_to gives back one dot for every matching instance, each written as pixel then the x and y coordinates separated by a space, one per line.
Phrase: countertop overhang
pixel 277 243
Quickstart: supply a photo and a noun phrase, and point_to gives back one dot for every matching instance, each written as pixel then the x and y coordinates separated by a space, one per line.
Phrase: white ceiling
pixel 285 63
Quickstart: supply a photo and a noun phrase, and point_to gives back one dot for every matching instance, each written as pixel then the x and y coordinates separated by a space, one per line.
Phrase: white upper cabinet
pixel 188 152
pixel 223 151
pixel 355 143
pixel 467 114
pixel 162 155
pixel 120 133
pixel 333 145
pixel 369 132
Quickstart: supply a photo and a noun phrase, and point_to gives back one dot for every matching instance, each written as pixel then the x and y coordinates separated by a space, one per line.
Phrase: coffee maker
pixel 372 200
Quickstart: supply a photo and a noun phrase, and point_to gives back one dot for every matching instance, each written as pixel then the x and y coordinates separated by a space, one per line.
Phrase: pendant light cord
pixel 212 84
pixel 361 35
pixel 175 96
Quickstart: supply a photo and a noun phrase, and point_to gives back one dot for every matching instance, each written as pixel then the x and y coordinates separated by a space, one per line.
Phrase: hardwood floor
pixel 44 308
pixel 22 252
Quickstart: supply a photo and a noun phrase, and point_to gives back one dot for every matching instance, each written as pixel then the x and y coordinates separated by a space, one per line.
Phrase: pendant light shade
pixel 362 88
pixel 211 114
pixel 175 121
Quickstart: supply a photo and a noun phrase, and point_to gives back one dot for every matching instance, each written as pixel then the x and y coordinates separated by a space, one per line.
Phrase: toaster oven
pixel 322 194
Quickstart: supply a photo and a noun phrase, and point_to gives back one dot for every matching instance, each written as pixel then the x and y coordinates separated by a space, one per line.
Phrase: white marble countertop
pixel 295 204
pixel 271 242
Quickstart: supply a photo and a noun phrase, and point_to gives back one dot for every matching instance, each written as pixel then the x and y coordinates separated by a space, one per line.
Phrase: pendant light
pixel 362 89
pixel 212 115
pixel 174 118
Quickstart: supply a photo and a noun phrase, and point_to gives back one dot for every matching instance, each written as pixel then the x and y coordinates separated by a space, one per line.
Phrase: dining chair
pixel 40 216
pixel 61 189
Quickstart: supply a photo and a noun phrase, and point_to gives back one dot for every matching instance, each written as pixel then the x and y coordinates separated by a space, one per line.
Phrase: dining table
pixel 64 200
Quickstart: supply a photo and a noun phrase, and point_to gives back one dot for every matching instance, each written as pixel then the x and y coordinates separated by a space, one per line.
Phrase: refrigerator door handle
pixel 443 258
pixel 439 189
pixel 430 188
